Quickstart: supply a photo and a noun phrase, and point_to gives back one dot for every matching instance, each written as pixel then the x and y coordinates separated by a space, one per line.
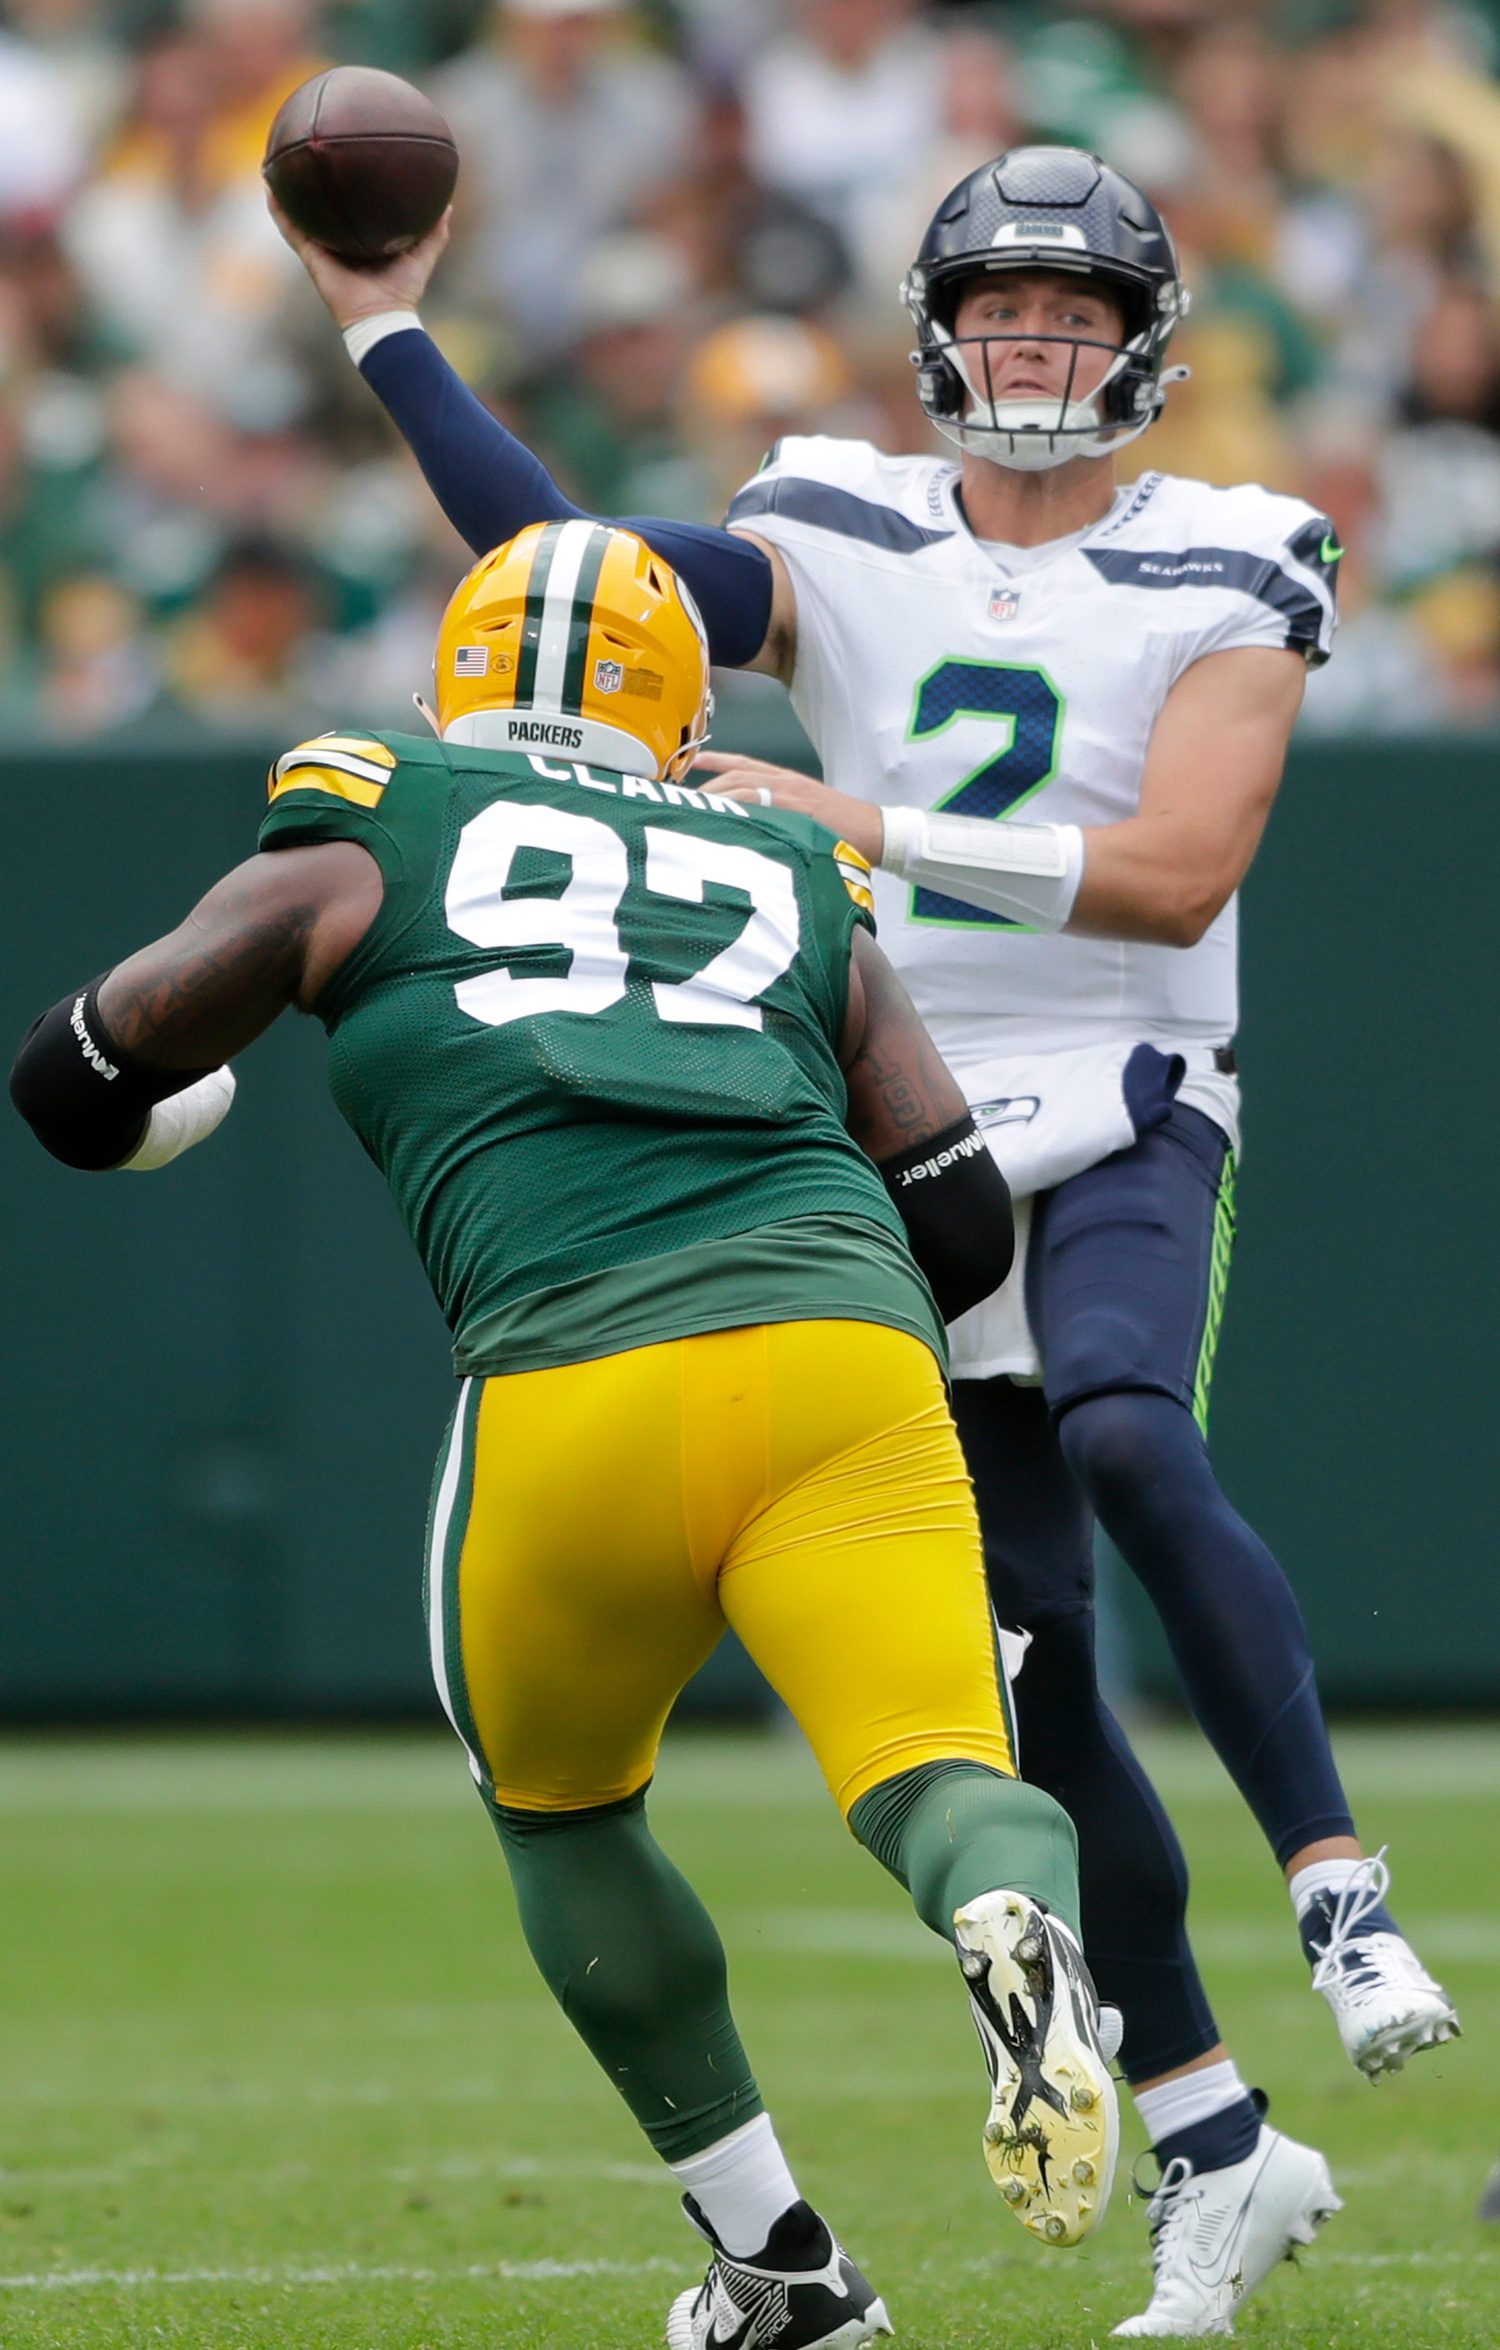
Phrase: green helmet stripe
pixel 531 626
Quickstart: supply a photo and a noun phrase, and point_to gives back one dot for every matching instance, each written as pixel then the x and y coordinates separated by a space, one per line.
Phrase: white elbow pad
pixel 1028 872
pixel 181 1120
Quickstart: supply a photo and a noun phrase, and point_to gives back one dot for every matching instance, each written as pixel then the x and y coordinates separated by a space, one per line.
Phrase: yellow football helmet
pixel 575 637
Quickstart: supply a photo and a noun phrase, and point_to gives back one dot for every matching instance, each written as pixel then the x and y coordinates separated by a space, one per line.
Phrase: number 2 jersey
pixel 591 1041
pixel 935 671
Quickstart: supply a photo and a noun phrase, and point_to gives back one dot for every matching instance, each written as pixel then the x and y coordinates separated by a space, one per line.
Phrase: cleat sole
pixel 1054 2170
pixel 851 2336
pixel 1392 2050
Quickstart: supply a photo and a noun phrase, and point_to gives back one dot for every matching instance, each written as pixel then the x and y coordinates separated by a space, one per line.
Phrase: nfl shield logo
pixel 1005 603
pixel 609 676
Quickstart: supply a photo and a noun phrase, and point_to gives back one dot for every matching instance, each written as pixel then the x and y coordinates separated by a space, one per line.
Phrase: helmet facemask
pixel 1037 431
pixel 695 732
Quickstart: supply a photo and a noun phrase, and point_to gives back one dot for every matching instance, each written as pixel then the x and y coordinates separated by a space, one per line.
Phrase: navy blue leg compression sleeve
pixel 490 486
pixel 1038 1543
pixel 1229 1614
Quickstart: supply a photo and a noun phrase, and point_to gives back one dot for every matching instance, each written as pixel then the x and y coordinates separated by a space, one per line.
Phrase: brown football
pixel 362 162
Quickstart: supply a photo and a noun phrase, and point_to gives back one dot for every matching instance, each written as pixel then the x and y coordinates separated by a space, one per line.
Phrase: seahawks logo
pixel 1008 1109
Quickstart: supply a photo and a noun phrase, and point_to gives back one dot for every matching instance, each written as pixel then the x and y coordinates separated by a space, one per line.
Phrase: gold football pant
pixel 594 1528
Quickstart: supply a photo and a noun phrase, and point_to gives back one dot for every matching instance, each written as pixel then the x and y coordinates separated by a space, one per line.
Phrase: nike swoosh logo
pixel 1330 550
pixel 734 2341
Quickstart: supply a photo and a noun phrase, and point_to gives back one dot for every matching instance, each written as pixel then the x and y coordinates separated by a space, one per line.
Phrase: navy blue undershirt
pixel 490 486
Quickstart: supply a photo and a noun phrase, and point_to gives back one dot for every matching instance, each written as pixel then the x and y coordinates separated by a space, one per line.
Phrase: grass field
pixel 276 2071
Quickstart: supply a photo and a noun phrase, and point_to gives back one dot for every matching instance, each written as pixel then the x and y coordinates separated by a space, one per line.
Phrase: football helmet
pixel 575 637
pixel 1045 208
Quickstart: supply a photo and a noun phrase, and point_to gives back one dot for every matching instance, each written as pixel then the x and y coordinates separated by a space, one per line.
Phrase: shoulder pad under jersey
pixel 851 490
pixel 352 767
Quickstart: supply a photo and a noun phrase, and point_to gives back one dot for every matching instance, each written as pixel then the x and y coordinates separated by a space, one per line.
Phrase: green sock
pixel 950 1830
pixel 632 1956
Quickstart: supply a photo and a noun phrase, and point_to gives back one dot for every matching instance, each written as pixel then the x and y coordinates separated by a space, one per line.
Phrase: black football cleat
pixel 800 2292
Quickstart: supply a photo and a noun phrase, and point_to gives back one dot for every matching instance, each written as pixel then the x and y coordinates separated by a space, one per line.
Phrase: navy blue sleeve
pixel 490 486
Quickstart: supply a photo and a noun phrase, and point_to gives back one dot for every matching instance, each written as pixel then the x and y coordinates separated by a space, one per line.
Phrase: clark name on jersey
pixel 935 671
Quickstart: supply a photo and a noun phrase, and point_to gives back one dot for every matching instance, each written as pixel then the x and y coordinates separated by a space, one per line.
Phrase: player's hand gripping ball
pixel 362 162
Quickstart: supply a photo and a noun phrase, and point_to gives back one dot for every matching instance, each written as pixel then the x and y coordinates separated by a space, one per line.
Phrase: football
pixel 362 162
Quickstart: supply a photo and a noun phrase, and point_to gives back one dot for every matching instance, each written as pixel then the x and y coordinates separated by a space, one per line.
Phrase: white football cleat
pixel 1386 2005
pixel 1054 2128
pixel 1216 2234
pixel 801 2292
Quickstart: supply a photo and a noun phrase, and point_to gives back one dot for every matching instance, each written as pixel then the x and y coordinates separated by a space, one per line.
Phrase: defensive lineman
pixel 964 643
pixel 599 1032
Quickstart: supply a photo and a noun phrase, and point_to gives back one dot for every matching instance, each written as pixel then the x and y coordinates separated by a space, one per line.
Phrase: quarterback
pixel 1052 711
pixel 625 1054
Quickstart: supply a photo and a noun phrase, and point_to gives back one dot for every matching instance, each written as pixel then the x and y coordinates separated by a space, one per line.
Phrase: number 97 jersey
pixel 595 1021
pixel 934 671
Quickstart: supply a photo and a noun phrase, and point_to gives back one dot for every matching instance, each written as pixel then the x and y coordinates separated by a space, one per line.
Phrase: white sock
pixel 1320 1876
pixel 1192 2097
pixel 741 2185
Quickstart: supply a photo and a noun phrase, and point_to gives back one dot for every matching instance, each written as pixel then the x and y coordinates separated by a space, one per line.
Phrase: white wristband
pixel 362 334
pixel 1028 872
pixel 181 1120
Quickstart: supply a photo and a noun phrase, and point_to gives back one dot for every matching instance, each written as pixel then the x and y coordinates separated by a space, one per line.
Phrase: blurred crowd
pixel 680 229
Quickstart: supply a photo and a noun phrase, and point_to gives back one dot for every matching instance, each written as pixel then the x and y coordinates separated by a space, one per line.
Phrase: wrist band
pixel 362 334
pixel 1028 872
pixel 187 1118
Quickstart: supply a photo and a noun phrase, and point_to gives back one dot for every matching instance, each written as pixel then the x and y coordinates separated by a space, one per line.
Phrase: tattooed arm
pixel 128 1071
pixel 900 1089
pixel 271 933
pixel 907 1113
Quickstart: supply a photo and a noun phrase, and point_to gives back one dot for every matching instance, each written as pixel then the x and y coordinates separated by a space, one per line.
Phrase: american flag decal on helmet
pixel 470 660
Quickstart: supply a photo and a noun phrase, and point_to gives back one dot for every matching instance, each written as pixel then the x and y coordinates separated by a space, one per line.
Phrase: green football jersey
pixel 591 1041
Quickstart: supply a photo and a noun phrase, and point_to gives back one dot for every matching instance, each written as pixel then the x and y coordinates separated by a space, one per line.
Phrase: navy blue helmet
pixel 1045 208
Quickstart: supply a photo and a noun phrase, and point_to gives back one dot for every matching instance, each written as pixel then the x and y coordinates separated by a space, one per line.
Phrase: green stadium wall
pixel 226 1384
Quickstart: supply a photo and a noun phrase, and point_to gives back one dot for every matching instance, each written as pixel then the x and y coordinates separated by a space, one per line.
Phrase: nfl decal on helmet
pixel 1045 208
pixel 574 637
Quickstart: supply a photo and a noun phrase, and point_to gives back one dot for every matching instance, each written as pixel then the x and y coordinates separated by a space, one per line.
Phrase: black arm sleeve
pixel 955 1204
pixel 490 486
pixel 85 1100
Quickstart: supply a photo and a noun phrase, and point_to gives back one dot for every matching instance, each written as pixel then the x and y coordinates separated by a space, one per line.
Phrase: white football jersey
pixel 937 671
